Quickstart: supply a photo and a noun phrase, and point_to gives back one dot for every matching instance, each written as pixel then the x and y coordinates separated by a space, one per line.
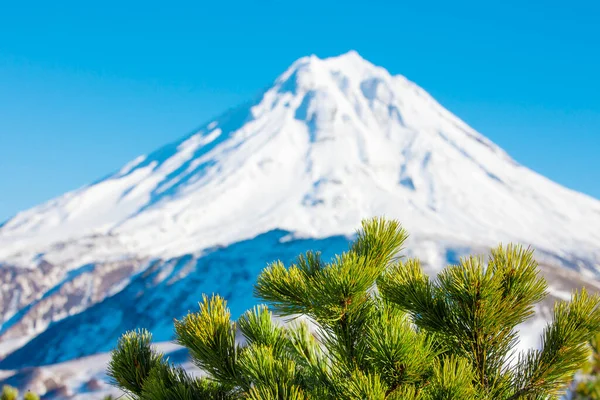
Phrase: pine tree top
pixel 380 328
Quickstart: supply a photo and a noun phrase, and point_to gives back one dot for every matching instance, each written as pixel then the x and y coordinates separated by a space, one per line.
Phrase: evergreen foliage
pixel 374 327
pixel 31 396
pixel 11 393
pixel 587 387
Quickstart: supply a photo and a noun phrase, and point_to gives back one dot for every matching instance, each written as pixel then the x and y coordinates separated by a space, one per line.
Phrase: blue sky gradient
pixel 85 87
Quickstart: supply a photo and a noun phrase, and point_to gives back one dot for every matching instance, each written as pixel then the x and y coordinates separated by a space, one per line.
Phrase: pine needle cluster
pixel 372 325
pixel 587 385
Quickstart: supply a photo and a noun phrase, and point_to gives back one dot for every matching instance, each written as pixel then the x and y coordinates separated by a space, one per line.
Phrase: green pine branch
pixel 378 328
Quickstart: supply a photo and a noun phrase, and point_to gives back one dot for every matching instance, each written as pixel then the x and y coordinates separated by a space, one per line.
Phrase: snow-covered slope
pixel 331 142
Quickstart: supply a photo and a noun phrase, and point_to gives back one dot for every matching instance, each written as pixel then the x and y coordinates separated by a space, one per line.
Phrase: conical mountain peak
pixel 333 141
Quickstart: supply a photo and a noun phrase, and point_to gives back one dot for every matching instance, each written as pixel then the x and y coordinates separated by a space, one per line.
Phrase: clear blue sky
pixel 87 86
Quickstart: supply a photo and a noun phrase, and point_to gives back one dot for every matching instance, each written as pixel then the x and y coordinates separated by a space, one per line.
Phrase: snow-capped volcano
pixel 331 142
